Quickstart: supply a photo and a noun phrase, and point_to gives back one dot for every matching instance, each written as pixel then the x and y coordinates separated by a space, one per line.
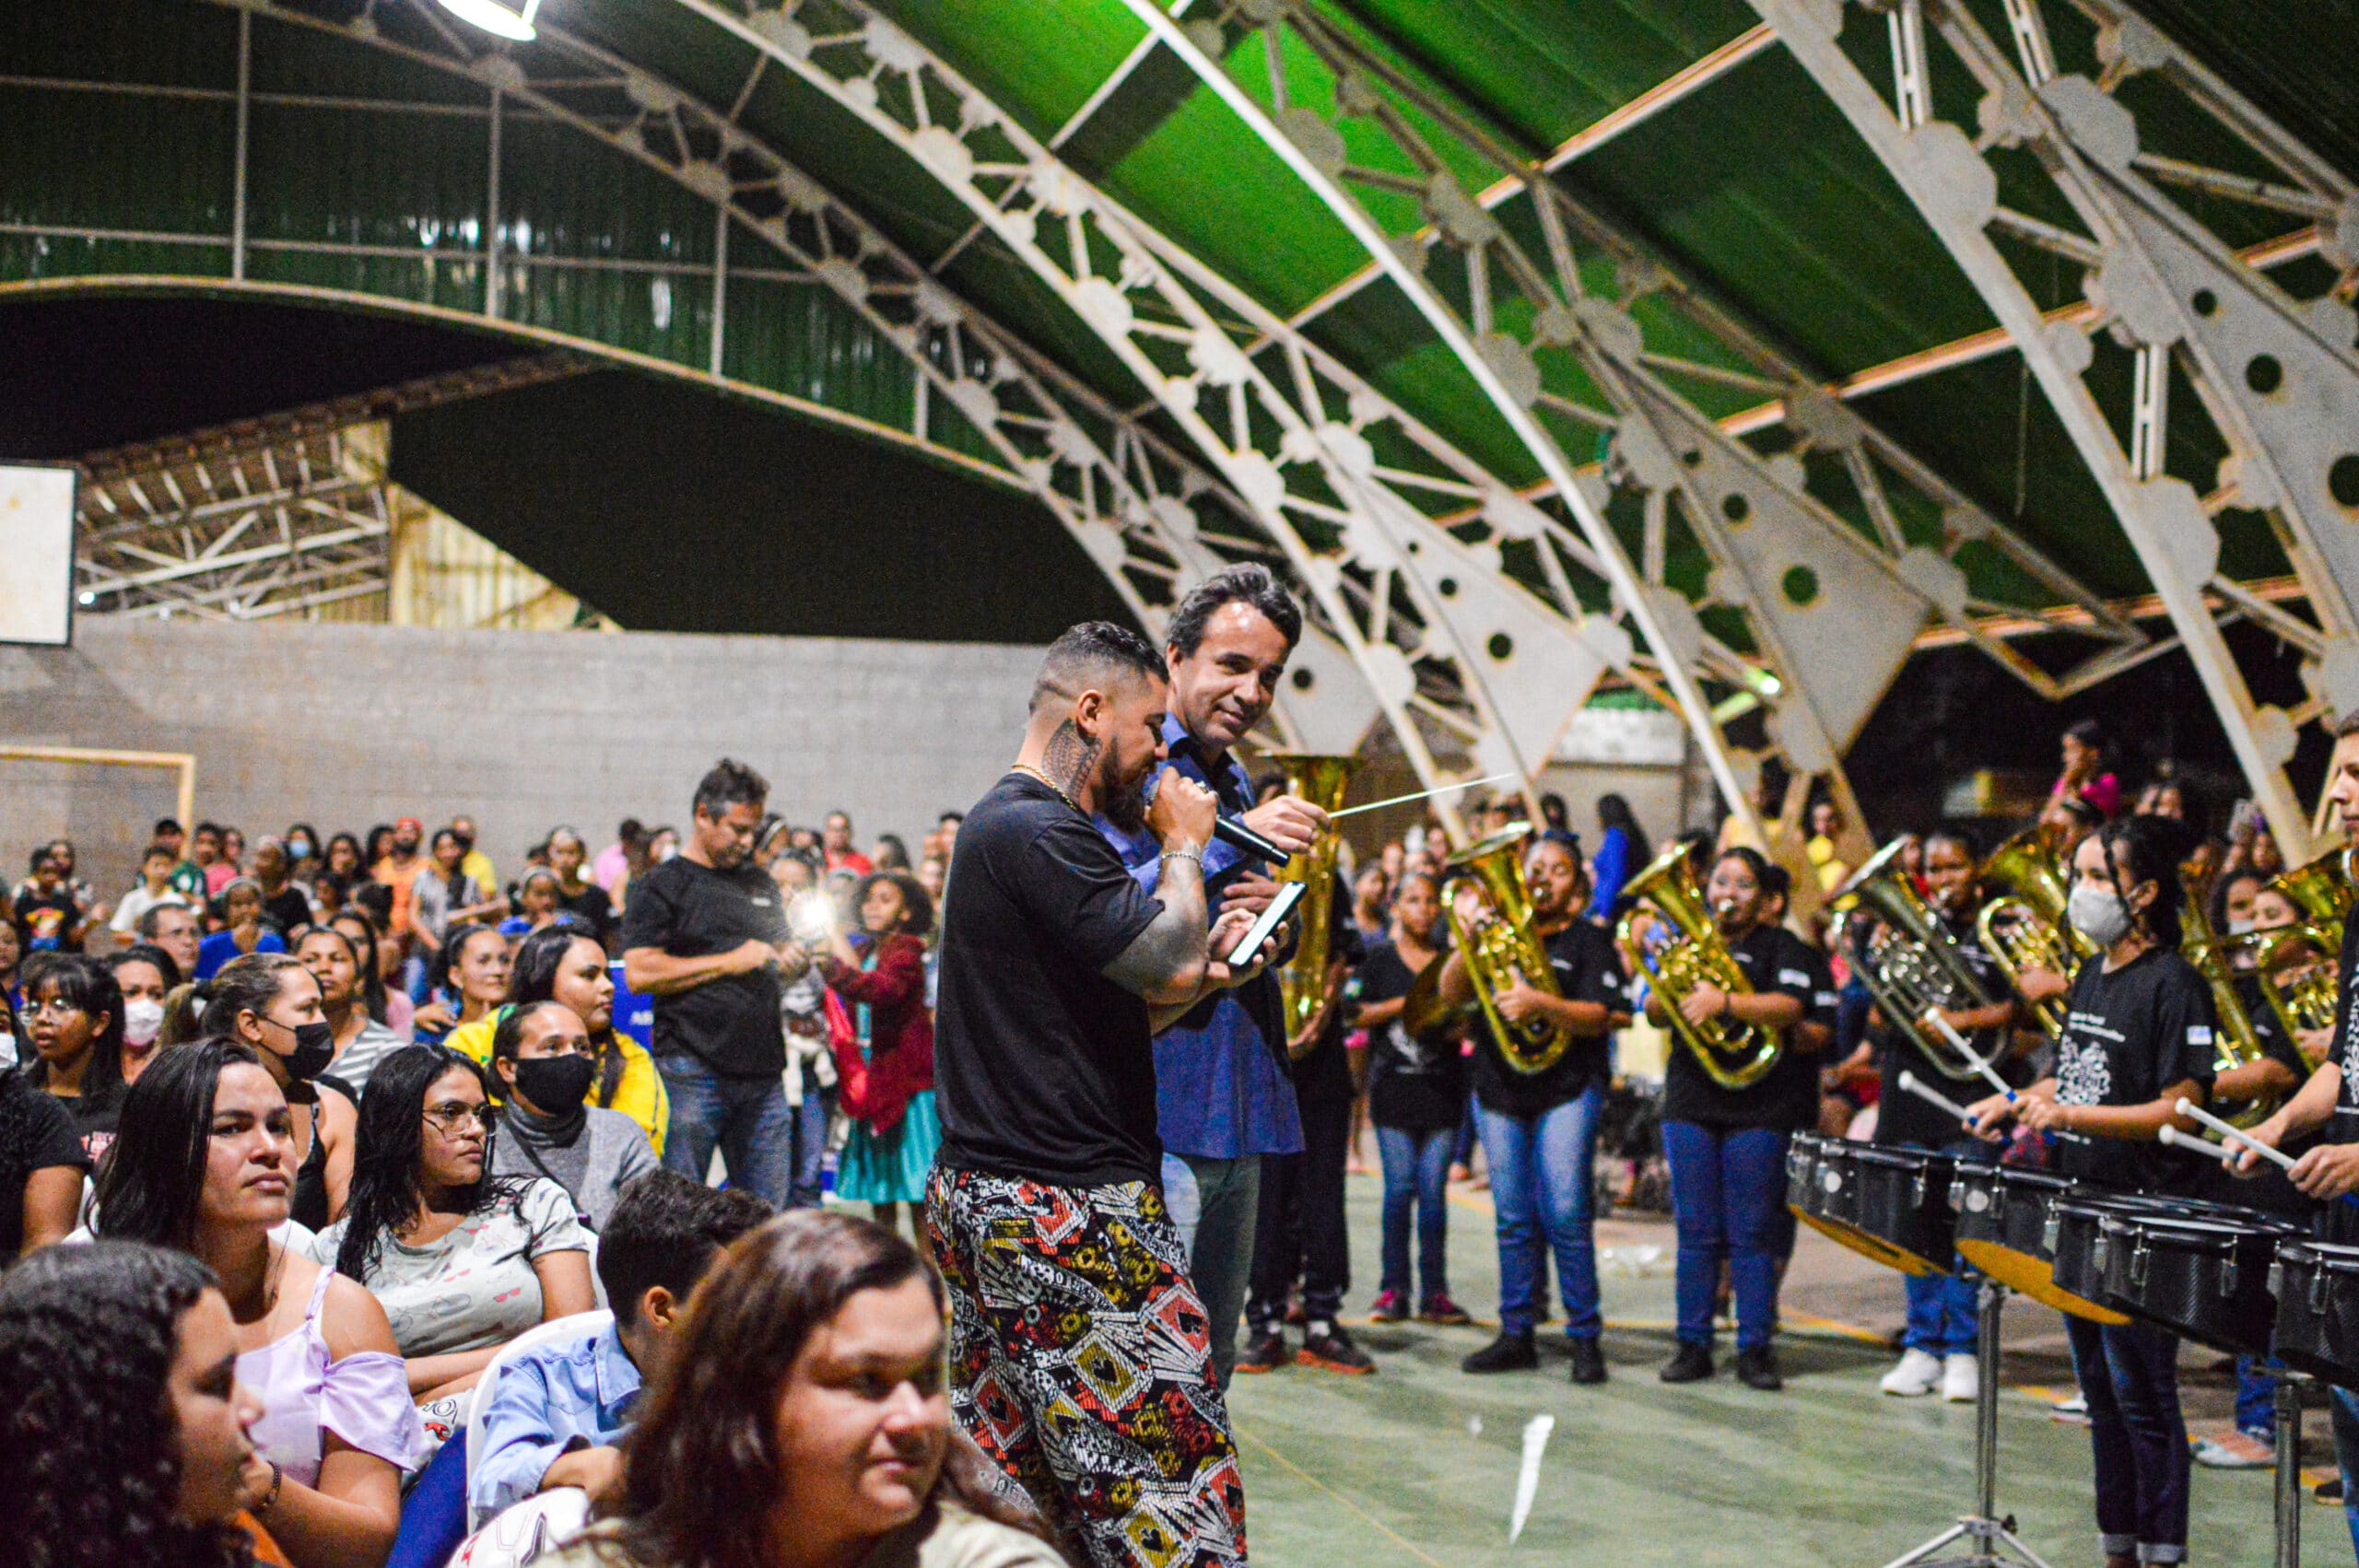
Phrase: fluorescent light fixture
pixel 508 21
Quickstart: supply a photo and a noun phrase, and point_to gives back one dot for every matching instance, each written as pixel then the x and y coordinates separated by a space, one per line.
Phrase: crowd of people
pixel 357 1197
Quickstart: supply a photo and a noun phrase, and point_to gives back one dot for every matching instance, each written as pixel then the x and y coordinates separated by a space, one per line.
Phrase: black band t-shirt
pixel 1416 1085
pixel 1786 1098
pixel 1588 969
pixel 1904 1117
pixel 694 911
pixel 1043 1067
pixel 2127 1037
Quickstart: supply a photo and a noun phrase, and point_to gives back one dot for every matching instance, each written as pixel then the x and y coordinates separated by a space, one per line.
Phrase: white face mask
pixel 8 1050
pixel 2238 928
pixel 142 1020
pixel 2099 913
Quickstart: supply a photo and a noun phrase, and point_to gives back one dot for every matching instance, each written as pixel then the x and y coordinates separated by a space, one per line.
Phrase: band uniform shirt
pixel 1772 959
pixel 1043 1067
pixel 1904 1117
pixel 1587 969
pixel 1222 1086
pixel 1416 1085
pixel 2128 1035
pixel 689 910
pixel 2268 1187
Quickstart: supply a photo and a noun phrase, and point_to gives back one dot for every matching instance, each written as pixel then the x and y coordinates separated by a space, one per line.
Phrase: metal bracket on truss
pixel 2280 379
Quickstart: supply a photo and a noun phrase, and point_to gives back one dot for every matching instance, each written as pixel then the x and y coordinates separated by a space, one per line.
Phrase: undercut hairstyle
pixel 1249 581
pixel 1093 656
pixel 2150 849
pixel 666 1230
pixel 87 1440
pixel 144 953
pixel 389 1153
pixel 85 984
pixel 730 783
pixel 152 1180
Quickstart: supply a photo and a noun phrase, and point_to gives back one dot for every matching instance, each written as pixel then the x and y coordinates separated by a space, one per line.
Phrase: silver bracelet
pixel 1195 855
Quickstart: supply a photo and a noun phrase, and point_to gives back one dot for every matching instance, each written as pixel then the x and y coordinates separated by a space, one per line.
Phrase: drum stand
pixel 1990 1540
pixel 2288 1435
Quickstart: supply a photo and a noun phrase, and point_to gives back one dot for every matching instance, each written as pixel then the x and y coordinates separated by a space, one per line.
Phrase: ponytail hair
pixel 2152 849
pixel 209 1009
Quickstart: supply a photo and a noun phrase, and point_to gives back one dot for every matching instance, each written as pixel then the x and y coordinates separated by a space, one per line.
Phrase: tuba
pixel 1303 981
pixel 1735 1056
pixel 1912 963
pixel 2237 1042
pixel 2295 964
pixel 2024 926
pixel 1499 950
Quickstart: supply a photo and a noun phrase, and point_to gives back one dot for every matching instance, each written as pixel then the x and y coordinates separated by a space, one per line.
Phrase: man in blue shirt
pixel 558 1410
pixel 1223 1095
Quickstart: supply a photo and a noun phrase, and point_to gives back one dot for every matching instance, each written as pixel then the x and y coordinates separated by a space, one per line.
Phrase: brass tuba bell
pixel 2235 1043
pixel 1500 949
pixel 1911 964
pixel 1733 1055
pixel 2023 926
pixel 1303 981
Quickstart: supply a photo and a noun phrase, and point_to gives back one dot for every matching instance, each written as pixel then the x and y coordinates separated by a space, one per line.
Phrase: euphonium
pixel 1913 963
pixel 2023 926
pixel 2235 1042
pixel 1303 981
pixel 2295 964
pixel 1733 1055
pixel 1501 949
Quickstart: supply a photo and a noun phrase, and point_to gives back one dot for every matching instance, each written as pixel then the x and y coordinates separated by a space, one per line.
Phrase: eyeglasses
pixel 56 1005
pixel 453 1116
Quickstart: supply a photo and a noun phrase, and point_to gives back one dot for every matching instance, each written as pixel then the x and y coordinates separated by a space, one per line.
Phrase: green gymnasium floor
pixel 1416 1465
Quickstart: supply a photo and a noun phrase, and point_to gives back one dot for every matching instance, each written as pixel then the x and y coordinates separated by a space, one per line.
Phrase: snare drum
pixel 1884 1203
pixel 2003 1216
pixel 2076 1236
pixel 2316 1287
pixel 2202 1275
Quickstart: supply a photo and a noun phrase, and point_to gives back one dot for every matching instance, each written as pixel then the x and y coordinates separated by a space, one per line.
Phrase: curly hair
pixel 389 1148
pixel 702 1480
pixel 917 909
pixel 88 1335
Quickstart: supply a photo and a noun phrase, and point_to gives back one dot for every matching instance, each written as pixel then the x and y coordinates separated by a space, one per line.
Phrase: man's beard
pixel 1123 800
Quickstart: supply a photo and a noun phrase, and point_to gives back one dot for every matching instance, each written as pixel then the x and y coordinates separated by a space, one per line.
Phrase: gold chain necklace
pixel 1027 767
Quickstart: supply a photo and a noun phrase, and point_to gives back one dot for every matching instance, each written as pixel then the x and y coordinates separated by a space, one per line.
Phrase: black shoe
pixel 1509 1353
pixel 1589 1362
pixel 1267 1353
pixel 2329 1490
pixel 1691 1363
pixel 1331 1350
pixel 1758 1368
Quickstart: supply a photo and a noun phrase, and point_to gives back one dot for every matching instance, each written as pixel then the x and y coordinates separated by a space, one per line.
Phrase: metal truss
pixel 261 518
pixel 1474 670
pixel 2276 377
pixel 1811 556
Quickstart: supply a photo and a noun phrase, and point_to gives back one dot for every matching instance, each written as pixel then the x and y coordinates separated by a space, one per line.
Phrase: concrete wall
pixel 346 726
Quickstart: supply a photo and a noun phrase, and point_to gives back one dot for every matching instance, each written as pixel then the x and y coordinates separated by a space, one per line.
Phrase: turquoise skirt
pixel 891 1169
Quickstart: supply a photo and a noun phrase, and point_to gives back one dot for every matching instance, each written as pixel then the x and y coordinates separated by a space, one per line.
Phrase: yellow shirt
pixel 479 865
pixel 640 1095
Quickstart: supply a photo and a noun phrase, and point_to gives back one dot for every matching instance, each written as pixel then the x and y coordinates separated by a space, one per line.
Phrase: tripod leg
pixel 2289 1470
pixel 1986 1411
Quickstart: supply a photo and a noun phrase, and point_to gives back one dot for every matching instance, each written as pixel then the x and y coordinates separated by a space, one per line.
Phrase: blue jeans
pixel 2129 1375
pixel 1541 1170
pixel 434 1515
pixel 1215 1204
pixel 1416 1170
pixel 810 1145
pixel 2256 1397
pixel 2342 1405
pixel 1943 1317
pixel 746 1118
pixel 1728 1189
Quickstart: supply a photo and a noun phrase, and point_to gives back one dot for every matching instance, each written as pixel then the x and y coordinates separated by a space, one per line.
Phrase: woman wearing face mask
pixel 475 964
pixel 567 966
pixel 42 1161
pixel 463 1260
pixel 146 976
pixel 72 1018
pixel 540 1054
pixel 243 930
pixel 208 1169
pixel 338 959
pixel 885 1072
pixel 2138 1038
pixel 1726 1148
pixel 127 1433
pixel 270 1003
pixel 802 1422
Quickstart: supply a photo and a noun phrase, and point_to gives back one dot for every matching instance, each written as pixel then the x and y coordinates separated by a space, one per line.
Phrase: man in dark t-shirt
pixel 1080 1353
pixel 702 935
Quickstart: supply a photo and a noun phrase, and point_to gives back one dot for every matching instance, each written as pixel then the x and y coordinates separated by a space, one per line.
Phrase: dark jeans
pixel 1542 1175
pixel 1728 1190
pixel 2342 1405
pixel 810 1145
pixel 2129 1377
pixel 746 1118
pixel 1416 1170
pixel 1300 1231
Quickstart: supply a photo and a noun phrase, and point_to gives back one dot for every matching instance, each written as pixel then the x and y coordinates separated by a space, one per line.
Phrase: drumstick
pixel 1419 795
pixel 2229 1132
pixel 1933 1096
pixel 1957 1043
pixel 2222 1152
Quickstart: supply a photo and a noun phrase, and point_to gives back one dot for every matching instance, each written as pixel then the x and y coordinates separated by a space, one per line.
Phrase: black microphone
pixel 1237 835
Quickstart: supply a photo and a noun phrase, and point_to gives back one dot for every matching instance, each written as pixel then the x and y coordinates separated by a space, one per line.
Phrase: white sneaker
pixel 1961 1379
pixel 1917 1373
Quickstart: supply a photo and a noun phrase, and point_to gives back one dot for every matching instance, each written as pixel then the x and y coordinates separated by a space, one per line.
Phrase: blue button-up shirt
pixel 1221 1086
pixel 550 1401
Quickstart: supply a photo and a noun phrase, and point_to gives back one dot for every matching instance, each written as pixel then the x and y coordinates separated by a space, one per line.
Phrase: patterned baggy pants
pixel 1080 1361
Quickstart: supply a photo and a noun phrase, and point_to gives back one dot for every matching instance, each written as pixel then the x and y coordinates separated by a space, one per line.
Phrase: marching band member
pixel 2138 1037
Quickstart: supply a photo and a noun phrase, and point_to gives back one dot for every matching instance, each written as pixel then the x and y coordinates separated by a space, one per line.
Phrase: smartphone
pixel 1257 934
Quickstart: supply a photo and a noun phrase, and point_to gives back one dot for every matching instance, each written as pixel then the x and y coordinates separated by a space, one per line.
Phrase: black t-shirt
pixel 1043 1067
pixel 693 911
pixel 1418 1086
pixel 1904 1117
pixel 36 1133
pixel 1588 969
pixel 2267 1188
pixel 1773 959
pixel 1323 1066
pixel 47 921
pixel 2128 1035
pixel 287 909
pixel 595 907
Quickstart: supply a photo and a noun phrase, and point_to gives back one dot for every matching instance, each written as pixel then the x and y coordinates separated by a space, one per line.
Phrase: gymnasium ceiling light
pixel 509 20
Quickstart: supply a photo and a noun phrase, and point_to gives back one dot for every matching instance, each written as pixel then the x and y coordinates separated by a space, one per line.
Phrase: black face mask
pixel 555 1085
pixel 314 1048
